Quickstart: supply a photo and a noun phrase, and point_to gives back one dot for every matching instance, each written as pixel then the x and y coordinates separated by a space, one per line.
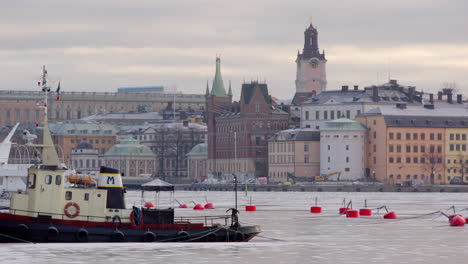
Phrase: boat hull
pixel 28 230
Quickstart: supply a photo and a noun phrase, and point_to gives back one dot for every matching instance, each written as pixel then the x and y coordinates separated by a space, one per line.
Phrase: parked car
pixel 457 180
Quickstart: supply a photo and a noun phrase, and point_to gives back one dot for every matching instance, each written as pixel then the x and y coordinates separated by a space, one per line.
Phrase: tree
pixel 460 164
pixel 433 163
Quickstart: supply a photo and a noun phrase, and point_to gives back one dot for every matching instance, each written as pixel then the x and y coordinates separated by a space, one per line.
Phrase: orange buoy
pixel 316 209
pixel 390 215
pixel 209 206
pixel 250 208
pixel 352 213
pixel 198 207
pixel 365 212
pixel 149 204
pixel 183 206
pixel 457 221
pixel 343 210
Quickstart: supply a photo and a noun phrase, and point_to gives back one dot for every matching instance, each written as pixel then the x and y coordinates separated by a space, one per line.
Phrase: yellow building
pixel 456 154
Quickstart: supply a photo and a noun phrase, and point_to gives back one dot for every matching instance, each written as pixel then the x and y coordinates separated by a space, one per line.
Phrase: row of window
pixel 339 114
pixel 457 136
pixel 26 114
pixel 282 147
pixel 281 159
pixel 431 160
pixel 91 141
pixel 415 176
pixel 415 136
pixel 457 147
pixel 414 149
pixel 455 170
pixel 346 159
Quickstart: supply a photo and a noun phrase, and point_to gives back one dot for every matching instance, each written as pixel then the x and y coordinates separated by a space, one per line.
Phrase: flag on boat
pixel 58 92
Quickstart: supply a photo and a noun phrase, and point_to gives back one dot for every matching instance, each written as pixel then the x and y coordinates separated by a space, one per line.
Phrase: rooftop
pixel 129 147
pixel 343 124
pixel 81 128
pixel 298 134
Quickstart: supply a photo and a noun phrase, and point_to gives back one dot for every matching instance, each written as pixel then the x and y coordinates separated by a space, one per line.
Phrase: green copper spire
pixel 230 90
pixel 207 93
pixel 218 86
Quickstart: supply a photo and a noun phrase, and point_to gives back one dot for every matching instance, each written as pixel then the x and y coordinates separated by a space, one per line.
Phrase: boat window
pixel 58 179
pixel 68 195
pixel 48 179
pixel 31 181
pixel 86 196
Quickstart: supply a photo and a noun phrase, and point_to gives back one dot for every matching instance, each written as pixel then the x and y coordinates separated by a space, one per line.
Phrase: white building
pixel 345 103
pixel 85 158
pixel 342 150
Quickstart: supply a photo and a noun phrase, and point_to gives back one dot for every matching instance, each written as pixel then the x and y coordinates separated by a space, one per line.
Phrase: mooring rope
pixel 19 239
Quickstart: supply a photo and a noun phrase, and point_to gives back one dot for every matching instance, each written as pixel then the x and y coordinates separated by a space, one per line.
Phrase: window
pixel 398 148
pixel 439 148
pixel 398 176
pixel 408 160
pixel 457 147
pixel 398 135
pixel 431 136
pixel 347 159
pixel 423 136
pixel 439 136
pixel 398 159
pixel 452 147
pixel 432 148
pixel 306 159
pixel 415 160
pixel 423 148
pixel 358 112
pixel 457 136
pixel 306 147
pixel 415 136
pixel 408 148
pixel 332 115
pixel 48 179
pixel 306 115
pixel 375 134
pixel 68 195
pixel 375 122
pixel 338 114
pixel 463 136
pixel 408 136
pixel 257 141
pixel 31 181
pixel 423 160
pixel 374 148
pixel 390 148
pixel 58 179
pixel 390 159
pixel 328 147
pixel 463 147
pixel 347 147
pixel 452 136
pixel 317 115
pixel 390 135
pixel 348 114
pixel 86 196
pixel 415 148
pixel 408 176
pixel 325 115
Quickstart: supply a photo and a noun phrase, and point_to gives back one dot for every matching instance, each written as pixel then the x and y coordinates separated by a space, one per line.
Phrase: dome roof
pixel 129 147
pixel 84 145
pixel 198 150
pixel 343 124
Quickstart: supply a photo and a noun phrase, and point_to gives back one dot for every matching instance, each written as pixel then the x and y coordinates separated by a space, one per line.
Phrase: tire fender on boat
pixel 67 212
pixel 82 235
pixel 22 230
pixel 239 236
pixel 213 237
pixel 118 236
pixel 53 233
pixel 149 237
pixel 183 235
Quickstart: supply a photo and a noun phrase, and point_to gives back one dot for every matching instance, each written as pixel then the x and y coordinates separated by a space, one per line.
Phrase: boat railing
pixel 211 220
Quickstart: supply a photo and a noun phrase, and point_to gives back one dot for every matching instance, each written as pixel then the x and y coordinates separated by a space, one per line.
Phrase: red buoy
pixel 365 212
pixel 452 216
pixel 183 206
pixel 457 221
pixel 316 209
pixel 352 213
pixel 251 208
pixel 343 210
pixel 198 207
pixel 466 219
pixel 390 215
pixel 149 204
pixel 209 206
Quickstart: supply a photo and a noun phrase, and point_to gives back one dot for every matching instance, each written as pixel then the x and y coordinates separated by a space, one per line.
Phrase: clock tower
pixel 311 75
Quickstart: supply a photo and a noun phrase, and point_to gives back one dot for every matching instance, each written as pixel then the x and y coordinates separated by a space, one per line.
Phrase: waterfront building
pixel 22 106
pixel 197 162
pixel 311 71
pixel 131 158
pixel 170 141
pixel 238 132
pixel 349 103
pixel 67 135
pixel 342 150
pixel 456 155
pixel 85 158
pixel 294 155
pixel 408 143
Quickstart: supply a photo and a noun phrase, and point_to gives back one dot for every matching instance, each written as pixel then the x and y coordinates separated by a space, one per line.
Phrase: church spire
pixel 207 92
pixel 230 90
pixel 217 88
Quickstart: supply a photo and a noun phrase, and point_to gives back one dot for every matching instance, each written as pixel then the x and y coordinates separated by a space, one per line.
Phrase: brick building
pixel 238 131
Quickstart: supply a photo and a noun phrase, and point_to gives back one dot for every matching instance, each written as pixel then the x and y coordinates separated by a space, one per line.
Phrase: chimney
pixel 401 106
pixel 375 93
pixel 344 88
pixel 431 98
pixel 356 87
pixel 439 96
pixel 449 98
pixel 410 94
pixel 459 99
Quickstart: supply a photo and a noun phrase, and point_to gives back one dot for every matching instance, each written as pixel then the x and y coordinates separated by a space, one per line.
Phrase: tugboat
pixel 56 208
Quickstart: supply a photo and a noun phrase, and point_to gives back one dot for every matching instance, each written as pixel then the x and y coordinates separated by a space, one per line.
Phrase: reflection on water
pixel 290 233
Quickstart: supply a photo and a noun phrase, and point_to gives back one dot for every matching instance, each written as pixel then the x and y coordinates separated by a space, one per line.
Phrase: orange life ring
pixel 77 209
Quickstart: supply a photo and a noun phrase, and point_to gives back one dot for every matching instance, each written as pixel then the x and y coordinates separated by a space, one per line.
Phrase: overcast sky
pixel 99 45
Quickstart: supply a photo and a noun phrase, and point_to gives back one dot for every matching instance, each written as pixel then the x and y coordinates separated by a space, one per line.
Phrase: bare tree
pixel 460 164
pixel 433 163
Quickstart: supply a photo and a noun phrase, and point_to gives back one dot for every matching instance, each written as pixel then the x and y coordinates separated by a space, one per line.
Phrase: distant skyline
pixel 102 45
